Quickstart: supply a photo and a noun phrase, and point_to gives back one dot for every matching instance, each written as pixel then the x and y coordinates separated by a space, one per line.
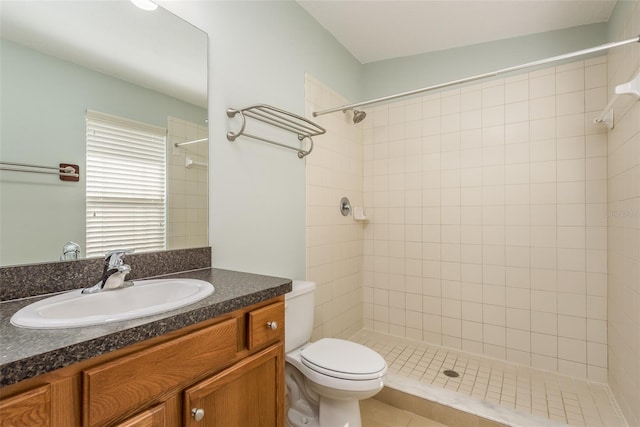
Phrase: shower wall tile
pixel 622 214
pixel 187 216
pixel 488 219
pixel 334 243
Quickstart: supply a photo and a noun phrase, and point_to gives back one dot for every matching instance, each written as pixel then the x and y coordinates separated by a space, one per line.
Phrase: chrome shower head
pixel 358 115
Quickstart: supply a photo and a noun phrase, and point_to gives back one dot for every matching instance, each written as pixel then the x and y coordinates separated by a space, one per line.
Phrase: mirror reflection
pixel 120 93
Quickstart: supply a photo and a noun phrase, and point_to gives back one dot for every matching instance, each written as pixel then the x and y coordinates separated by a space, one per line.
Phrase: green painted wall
pixel 393 76
pixel 622 11
pixel 259 52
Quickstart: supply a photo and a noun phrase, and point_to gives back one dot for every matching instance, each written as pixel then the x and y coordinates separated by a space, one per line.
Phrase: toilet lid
pixel 343 359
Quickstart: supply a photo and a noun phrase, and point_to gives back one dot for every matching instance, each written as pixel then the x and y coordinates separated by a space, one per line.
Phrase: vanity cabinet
pixel 30 408
pixel 127 383
pixel 242 395
pixel 228 371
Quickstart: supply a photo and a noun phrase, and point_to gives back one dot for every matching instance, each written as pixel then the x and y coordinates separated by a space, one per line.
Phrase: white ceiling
pixel 375 30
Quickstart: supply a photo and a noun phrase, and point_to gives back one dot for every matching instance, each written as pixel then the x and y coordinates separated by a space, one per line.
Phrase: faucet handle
pixel 115 257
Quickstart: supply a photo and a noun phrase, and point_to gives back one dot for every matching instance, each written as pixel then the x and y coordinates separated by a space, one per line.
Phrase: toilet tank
pixel 298 314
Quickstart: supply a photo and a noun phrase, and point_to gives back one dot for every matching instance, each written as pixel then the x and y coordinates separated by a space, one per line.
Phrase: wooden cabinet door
pixel 117 388
pixel 29 409
pixel 248 394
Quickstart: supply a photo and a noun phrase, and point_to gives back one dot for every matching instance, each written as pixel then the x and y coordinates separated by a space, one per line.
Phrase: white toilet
pixel 326 379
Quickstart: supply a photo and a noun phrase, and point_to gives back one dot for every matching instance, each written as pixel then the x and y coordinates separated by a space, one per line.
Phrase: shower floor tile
pixel 506 392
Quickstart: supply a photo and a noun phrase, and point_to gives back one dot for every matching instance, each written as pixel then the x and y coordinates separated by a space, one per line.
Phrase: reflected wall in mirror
pixel 61 59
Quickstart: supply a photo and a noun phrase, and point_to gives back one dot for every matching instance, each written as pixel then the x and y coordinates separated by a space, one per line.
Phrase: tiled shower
pixel 502 221
pixel 488 230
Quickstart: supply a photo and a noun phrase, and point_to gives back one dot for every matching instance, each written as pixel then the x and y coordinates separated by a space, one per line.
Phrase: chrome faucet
pixel 113 274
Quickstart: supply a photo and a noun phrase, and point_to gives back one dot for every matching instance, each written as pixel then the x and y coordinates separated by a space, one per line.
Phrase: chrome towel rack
pixel 303 128
pixel 66 171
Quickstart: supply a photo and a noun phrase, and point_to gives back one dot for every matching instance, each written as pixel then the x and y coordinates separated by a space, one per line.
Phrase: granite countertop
pixel 25 353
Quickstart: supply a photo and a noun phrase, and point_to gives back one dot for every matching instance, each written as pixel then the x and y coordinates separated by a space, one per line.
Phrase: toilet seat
pixel 343 360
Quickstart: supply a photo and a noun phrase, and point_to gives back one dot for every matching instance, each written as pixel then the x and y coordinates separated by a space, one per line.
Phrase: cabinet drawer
pixel 31 408
pixel 265 325
pixel 127 384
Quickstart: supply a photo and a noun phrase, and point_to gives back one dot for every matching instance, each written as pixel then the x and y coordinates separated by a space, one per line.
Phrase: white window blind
pixel 126 191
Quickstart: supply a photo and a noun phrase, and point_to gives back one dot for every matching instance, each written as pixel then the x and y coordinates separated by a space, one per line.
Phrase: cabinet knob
pixel 272 325
pixel 197 413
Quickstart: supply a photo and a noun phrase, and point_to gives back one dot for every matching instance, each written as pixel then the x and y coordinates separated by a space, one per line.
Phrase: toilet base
pixel 339 413
pixel 303 403
pixel 296 418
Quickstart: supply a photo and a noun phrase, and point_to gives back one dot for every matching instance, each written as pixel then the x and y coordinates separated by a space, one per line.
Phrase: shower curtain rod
pixel 481 76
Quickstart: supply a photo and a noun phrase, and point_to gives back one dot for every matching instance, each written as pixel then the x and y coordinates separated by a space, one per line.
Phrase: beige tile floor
pixel 377 414
pixel 576 402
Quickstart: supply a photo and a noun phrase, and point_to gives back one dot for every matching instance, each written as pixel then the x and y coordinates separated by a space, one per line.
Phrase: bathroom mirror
pixel 61 59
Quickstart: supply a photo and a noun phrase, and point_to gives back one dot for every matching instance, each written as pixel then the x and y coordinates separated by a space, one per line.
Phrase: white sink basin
pixel 74 309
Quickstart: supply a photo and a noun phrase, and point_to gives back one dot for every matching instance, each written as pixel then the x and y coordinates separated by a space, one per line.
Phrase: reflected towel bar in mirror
pixel 66 171
pixel 189 163
pixel 180 144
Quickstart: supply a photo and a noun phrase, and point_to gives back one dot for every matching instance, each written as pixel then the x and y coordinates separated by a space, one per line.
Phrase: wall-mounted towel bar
pixel 180 144
pixel 632 87
pixel 303 128
pixel 66 171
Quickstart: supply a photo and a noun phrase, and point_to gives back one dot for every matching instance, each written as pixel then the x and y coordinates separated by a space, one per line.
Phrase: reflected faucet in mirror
pixel 113 274
pixel 70 251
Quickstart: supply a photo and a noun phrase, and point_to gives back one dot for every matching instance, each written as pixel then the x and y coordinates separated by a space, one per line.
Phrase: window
pixel 126 190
